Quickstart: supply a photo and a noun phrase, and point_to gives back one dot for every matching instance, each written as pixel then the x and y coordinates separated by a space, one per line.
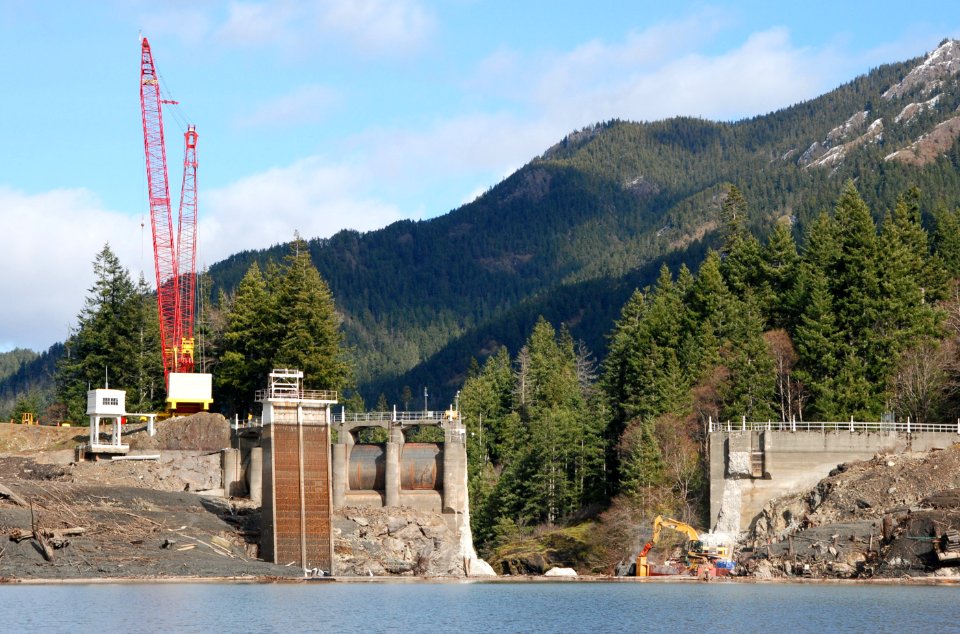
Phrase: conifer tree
pixel 819 344
pixel 946 239
pixel 110 342
pixel 248 344
pixel 780 269
pixel 307 330
pixel 751 388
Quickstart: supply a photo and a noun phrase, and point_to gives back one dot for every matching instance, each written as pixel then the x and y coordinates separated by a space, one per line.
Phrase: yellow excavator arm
pixel 676 525
pixel 642 567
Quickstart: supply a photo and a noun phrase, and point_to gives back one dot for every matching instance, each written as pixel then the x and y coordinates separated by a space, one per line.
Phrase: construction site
pixel 301 492
pixel 184 493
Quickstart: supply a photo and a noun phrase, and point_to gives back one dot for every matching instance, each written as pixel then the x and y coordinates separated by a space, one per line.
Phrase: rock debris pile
pixel 375 542
pixel 889 516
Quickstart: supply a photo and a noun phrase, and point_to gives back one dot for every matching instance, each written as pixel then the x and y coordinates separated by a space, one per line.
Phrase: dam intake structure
pixel 315 466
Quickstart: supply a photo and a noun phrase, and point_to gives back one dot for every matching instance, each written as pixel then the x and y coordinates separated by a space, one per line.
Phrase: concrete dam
pixel 314 464
pixel 752 463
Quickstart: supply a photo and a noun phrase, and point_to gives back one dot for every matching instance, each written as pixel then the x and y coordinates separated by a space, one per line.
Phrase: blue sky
pixel 318 116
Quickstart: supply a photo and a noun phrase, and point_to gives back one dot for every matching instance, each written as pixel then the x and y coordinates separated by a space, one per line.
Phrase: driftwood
pixel 18 535
pixel 47 540
pixel 58 534
pixel 13 497
pixel 42 544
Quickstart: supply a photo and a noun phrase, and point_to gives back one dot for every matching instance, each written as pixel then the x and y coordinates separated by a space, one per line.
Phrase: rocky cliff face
pixel 939 66
pixel 931 88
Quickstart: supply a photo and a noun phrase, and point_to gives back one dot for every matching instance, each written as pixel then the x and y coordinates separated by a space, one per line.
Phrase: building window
pixel 111 400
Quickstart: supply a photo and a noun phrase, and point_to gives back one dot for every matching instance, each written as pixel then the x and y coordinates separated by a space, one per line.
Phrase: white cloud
pixel 256 23
pixel 368 26
pixel 47 268
pixel 305 104
pixel 310 196
pixel 48 260
pixel 377 25
pixel 189 23
pixel 602 81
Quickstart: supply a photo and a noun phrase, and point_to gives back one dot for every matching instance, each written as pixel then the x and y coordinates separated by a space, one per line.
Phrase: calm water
pixel 459 608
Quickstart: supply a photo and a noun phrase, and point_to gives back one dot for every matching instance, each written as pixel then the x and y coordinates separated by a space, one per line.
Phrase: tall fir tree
pixel 248 344
pixel 111 341
pixel 780 269
pixel 307 328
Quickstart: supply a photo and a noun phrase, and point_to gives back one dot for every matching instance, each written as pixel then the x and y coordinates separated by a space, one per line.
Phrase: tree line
pixel 860 322
pixel 282 317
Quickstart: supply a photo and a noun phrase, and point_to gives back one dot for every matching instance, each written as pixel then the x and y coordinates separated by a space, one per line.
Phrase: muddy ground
pixel 124 519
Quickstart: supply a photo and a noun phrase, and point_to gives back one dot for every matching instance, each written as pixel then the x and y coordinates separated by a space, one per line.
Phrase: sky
pixel 351 114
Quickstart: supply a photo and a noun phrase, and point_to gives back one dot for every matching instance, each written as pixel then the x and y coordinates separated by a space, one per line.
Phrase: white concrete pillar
pixel 230 465
pixel 339 471
pixel 256 475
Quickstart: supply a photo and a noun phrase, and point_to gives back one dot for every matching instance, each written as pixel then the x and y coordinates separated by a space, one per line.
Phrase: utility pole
pixel 425 408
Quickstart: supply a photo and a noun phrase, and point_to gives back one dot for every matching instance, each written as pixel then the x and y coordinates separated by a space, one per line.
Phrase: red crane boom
pixel 174 261
pixel 187 252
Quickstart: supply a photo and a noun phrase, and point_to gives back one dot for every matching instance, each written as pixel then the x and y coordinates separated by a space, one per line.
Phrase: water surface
pixel 480 607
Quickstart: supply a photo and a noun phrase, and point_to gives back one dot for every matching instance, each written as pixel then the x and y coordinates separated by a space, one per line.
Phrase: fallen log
pixel 13 497
pixel 42 545
pixel 18 535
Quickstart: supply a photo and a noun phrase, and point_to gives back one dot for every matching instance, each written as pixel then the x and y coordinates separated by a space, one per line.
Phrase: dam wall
pixel 753 463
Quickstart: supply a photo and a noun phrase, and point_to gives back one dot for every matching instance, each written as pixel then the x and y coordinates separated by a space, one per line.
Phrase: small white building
pixel 104 404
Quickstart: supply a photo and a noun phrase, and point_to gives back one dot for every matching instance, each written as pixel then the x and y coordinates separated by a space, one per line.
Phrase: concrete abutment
pixel 751 466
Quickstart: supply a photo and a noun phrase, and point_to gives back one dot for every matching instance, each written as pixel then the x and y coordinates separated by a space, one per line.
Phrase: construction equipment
pixel 948 546
pixel 695 553
pixel 174 261
pixel 28 419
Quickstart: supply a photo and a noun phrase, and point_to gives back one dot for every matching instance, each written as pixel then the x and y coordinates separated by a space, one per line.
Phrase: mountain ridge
pixel 611 200
pixel 573 231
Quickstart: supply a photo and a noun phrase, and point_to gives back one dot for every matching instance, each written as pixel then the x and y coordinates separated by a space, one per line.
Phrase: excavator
pixel 711 559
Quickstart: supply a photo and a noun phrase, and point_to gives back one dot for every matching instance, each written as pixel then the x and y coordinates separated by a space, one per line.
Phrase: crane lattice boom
pixel 174 261
pixel 187 251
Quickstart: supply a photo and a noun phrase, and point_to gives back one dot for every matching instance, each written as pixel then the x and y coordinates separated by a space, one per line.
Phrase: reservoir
pixel 479 607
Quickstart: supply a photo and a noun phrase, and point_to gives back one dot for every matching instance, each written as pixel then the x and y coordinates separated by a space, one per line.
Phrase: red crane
pixel 175 262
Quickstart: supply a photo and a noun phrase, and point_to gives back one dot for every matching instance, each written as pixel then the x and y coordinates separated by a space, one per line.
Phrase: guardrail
pixel 851 426
pixel 392 417
pixel 286 394
pixel 246 423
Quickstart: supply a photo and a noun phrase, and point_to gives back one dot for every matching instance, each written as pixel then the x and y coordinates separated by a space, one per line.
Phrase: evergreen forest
pixel 592 312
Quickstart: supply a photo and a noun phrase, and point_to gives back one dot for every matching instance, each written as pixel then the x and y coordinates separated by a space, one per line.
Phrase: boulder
pixel 560 572
pixel 479 568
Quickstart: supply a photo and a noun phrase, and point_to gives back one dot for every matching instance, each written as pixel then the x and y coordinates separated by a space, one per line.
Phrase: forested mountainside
pixel 27 380
pixel 575 230
pixel 572 233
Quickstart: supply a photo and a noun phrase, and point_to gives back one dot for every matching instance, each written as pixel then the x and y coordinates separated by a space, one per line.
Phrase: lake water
pixel 479 607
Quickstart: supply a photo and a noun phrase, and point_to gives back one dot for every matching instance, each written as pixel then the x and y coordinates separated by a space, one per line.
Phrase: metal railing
pixel 247 423
pixel 285 393
pixel 429 417
pixel 903 427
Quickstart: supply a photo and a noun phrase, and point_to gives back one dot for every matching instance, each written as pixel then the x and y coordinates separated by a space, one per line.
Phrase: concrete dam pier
pixel 753 463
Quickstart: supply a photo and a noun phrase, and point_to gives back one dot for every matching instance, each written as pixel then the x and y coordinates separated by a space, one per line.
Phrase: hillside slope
pixel 571 233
